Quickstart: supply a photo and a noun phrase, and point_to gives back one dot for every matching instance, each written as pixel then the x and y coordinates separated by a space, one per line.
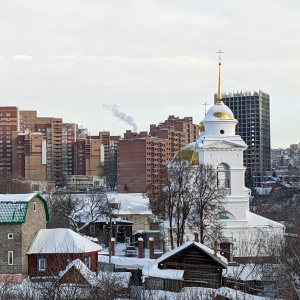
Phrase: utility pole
pixel 110 235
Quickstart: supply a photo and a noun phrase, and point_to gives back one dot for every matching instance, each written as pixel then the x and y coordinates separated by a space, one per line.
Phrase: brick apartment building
pixel 47 149
pixel 142 155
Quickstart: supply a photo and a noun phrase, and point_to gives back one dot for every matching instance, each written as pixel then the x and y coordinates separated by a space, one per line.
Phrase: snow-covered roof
pixel 18 197
pixel 219 258
pixel 126 262
pixel 131 203
pixel 259 221
pixel 243 272
pixel 88 275
pixel 122 278
pixel 61 240
pixel 263 191
pixel 152 269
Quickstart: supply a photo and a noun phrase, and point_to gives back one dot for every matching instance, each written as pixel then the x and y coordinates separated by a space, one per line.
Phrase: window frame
pixel 92 228
pixel 88 261
pixel 10 258
pixel 40 261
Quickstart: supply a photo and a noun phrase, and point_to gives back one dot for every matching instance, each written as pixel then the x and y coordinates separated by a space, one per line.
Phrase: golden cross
pixel 205 104
pixel 220 52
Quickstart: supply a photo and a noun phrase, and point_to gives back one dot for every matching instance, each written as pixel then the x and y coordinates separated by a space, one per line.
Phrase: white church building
pixel 219 146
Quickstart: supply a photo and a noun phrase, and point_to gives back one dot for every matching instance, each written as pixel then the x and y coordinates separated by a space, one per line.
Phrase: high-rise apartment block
pixel 9 122
pixel 252 110
pixel 141 155
pixel 47 149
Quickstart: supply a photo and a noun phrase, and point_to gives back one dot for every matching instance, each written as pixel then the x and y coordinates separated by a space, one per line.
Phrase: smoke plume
pixel 121 116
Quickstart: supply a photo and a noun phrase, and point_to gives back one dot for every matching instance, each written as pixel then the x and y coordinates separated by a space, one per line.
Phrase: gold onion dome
pixel 201 127
pixel 219 112
pixel 187 153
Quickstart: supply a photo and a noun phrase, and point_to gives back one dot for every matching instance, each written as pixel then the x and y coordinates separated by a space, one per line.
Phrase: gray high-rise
pixel 252 110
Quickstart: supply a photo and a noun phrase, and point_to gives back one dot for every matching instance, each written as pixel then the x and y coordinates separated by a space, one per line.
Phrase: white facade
pixel 219 146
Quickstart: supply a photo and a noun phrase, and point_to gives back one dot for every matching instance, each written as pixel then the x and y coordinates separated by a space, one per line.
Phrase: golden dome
pixel 222 115
pixel 201 126
pixel 188 153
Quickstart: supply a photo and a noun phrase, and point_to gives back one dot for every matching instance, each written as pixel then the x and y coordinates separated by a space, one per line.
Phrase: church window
pixel 223 172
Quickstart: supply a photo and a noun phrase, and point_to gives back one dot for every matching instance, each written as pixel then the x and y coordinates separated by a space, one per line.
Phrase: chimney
pixel 196 237
pixel 216 247
pixel 141 247
pixel 112 245
pixel 151 247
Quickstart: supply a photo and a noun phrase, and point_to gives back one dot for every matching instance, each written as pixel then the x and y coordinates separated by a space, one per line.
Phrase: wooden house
pixel 53 249
pixel 21 216
pixel 190 265
pixel 100 229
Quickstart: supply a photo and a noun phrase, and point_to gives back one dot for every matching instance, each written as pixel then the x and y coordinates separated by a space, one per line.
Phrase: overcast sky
pixel 84 60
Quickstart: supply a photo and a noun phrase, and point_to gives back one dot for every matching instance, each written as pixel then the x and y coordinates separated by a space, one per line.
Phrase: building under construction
pixel 252 110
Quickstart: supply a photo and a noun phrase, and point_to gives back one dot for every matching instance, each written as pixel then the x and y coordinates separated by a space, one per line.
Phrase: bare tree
pixel 80 209
pixel 191 196
pixel 109 171
pixel 209 204
pixel 180 194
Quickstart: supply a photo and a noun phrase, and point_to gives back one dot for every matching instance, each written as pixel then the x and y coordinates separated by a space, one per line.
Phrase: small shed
pixel 53 249
pixel 77 272
pixel 190 265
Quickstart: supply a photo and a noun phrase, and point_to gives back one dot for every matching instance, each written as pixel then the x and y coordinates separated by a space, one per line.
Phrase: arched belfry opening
pixel 223 172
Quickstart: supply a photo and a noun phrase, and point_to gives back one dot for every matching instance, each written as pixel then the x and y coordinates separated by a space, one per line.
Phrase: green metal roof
pixel 13 211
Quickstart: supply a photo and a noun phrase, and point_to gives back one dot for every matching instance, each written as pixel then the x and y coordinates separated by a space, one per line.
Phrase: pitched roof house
pixel 21 216
pixel 191 264
pixel 53 249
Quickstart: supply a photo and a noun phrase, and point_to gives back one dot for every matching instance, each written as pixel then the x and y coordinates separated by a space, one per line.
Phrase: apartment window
pixel 42 264
pixel 10 236
pixel 34 206
pixel 92 229
pixel 10 257
pixel 7 114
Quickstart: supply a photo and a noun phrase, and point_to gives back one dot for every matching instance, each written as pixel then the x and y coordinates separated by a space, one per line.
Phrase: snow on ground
pixel 201 293
pixel 234 294
pixel 34 290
